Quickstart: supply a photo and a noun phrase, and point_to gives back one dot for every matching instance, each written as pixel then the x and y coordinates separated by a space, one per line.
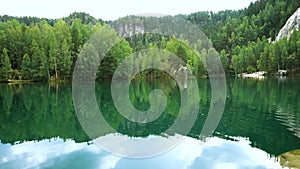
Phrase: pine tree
pixel 224 59
pixel 53 54
pixel 65 60
pixel 26 67
pixel 39 62
pixel 5 65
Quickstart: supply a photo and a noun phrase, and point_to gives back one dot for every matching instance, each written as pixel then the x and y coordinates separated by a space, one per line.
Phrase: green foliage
pixel 64 60
pixel 53 54
pixel 251 69
pixel 224 59
pixel 120 52
pixel 240 37
pixel 15 43
pixel 249 28
pixel 193 59
pixel 84 18
pixel 5 65
pixel 26 67
pixel 38 62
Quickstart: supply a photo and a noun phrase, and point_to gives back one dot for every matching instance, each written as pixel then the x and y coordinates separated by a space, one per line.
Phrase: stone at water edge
pixel 290 159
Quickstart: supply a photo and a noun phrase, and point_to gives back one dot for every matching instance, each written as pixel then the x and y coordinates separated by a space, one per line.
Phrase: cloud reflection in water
pixel 190 154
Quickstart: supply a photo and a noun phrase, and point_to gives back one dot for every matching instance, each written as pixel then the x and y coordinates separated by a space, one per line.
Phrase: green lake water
pixel 40 129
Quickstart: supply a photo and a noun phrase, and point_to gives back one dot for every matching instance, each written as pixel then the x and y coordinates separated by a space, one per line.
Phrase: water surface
pixel 40 129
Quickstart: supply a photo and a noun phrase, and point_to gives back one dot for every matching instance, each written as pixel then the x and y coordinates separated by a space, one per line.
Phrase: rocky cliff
pixel 292 24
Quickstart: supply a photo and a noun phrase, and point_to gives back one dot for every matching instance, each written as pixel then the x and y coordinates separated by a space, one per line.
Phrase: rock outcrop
pixel 129 29
pixel 291 25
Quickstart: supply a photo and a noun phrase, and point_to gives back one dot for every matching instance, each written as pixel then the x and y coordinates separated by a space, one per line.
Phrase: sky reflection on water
pixel 189 154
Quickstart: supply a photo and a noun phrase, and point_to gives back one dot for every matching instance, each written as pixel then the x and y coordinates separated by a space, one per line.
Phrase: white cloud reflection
pixel 190 154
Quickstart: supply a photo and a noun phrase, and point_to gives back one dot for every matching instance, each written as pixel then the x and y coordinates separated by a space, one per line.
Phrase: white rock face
pixel 129 29
pixel 292 24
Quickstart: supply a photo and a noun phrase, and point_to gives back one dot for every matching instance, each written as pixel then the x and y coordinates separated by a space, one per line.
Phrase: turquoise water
pixel 40 129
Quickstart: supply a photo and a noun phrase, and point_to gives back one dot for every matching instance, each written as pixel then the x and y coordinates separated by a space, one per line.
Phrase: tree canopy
pixel 45 49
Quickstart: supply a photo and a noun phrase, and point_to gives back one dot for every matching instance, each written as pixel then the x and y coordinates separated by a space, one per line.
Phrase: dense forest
pixel 245 38
pixel 46 49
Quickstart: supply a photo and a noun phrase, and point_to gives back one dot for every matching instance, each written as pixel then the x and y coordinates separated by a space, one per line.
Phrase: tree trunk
pixel 235 72
pixel 55 67
pixel 48 74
